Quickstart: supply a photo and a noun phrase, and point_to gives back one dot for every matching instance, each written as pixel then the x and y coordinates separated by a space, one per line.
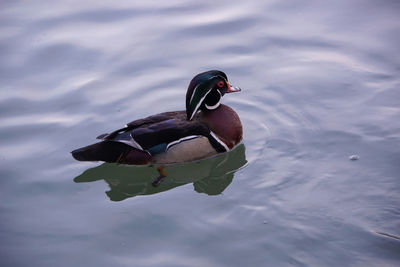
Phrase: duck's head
pixel 206 90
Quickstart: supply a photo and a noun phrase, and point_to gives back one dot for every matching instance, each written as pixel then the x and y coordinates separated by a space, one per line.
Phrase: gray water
pixel 320 84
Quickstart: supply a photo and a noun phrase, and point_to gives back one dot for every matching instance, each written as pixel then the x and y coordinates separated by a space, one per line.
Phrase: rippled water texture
pixel 316 182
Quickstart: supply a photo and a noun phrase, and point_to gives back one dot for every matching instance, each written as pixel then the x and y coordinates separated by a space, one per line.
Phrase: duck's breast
pixel 225 123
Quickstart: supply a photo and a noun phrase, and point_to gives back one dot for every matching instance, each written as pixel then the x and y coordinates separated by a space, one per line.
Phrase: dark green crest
pixel 205 88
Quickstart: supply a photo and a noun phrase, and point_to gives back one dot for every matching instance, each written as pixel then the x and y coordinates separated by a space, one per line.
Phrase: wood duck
pixel 206 128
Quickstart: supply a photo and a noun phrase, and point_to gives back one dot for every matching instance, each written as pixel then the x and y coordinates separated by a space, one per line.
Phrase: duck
pixel 206 128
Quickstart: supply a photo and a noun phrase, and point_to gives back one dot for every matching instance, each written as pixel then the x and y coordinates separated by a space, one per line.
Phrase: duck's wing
pixel 155 134
pixel 141 122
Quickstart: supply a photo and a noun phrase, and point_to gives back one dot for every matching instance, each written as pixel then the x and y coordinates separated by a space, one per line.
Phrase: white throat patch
pixel 213 107
pixel 217 104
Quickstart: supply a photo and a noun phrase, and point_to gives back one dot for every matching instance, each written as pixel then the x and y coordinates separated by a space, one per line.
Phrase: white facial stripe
pixel 181 140
pixel 198 104
pixel 201 100
pixel 218 76
pixel 219 141
pixel 194 92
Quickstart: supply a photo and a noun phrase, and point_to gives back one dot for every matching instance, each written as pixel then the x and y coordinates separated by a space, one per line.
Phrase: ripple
pixel 320 82
pixel 217 28
pixel 61 119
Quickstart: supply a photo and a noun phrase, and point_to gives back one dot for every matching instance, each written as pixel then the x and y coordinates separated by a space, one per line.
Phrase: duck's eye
pixel 221 84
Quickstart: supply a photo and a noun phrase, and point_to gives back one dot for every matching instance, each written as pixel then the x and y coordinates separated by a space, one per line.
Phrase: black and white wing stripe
pixel 158 133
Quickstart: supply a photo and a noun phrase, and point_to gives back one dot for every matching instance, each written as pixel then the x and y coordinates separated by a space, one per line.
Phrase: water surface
pixel 320 83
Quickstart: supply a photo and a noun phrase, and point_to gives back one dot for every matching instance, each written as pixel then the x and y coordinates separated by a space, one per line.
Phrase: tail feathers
pixel 103 151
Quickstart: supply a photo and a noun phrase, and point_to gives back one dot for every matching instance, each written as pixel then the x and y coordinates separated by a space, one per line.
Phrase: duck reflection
pixel 210 176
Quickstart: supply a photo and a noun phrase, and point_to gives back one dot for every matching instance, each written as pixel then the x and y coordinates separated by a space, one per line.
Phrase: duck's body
pixel 204 129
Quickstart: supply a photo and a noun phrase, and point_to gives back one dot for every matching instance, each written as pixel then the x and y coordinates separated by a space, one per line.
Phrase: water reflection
pixel 210 176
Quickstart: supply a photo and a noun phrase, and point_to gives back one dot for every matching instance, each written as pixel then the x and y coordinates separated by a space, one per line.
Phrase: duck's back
pixel 163 138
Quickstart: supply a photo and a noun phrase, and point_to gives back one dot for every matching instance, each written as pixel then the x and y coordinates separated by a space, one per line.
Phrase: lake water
pixel 315 183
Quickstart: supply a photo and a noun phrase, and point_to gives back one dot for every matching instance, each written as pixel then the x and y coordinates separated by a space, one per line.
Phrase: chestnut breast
pixel 224 122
